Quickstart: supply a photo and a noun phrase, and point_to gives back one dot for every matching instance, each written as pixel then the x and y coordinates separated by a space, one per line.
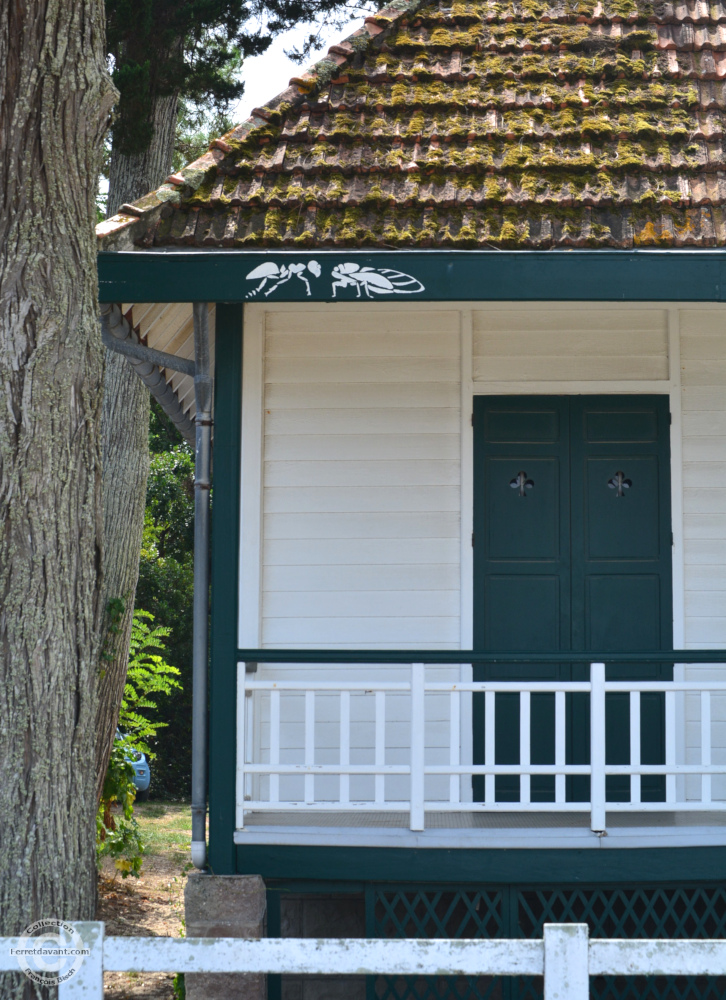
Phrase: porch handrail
pixel 565 956
pixel 453 656
pixel 416 687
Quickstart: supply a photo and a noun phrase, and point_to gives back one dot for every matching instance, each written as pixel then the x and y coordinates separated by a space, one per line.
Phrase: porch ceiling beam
pixel 141 353
pixel 468 275
pixel 116 333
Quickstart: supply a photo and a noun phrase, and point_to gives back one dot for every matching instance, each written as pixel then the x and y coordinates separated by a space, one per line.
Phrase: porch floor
pixel 482 829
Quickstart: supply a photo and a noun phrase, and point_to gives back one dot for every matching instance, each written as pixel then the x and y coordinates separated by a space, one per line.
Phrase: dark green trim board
pixel 437 276
pixel 225 547
pixel 474 656
pixel 523 867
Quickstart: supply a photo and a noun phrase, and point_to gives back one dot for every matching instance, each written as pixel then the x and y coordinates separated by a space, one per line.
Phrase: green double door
pixel 572 551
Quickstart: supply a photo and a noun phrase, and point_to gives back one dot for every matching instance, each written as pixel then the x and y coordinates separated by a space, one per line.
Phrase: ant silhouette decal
pixel 277 276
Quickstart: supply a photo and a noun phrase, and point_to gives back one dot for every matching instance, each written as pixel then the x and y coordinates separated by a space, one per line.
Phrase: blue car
pixel 142 771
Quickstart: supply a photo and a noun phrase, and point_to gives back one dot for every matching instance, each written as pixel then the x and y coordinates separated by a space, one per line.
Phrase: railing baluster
pixel 706 745
pixel 525 730
pixel 252 782
pixel 274 745
pixel 597 747
pixel 241 745
pixel 489 761
pixel 344 745
pixel 560 744
pixel 418 721
pixel 670 744
pixel 635 780
pixel 257 775
pixel 309 745
pixel 380 752
pixel 454 744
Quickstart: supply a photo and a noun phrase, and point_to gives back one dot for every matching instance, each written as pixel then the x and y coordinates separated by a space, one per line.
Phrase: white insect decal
pixel 276 276
pixel 379 282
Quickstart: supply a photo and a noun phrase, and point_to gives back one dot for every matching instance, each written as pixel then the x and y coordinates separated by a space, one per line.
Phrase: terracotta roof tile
pixel 510 123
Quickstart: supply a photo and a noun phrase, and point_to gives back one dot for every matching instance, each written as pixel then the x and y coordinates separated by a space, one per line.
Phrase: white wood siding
pixel 361 478
pixel 570 343
pixel 703 364
pixel 361 523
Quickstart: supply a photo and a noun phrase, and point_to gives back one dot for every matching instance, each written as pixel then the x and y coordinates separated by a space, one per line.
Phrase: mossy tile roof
pixel 526 124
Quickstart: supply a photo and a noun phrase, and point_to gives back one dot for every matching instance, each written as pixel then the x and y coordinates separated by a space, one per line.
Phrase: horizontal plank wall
pixel 703 364
pixel 575 343
pixel 361 478
pixel 361 514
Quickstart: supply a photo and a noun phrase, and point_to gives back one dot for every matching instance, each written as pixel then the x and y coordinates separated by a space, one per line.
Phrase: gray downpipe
pixel 118 335
pixel 202 483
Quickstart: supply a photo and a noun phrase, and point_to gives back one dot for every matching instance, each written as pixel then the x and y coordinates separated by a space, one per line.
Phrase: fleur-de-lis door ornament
pixel 620 483
pixel 521 483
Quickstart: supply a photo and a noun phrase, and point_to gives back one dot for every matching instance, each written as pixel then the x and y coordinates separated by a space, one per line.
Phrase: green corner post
pixel 225 549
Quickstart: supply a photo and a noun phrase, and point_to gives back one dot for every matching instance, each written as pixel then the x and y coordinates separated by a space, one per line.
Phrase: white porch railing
pixel 565 957
pixel 694 791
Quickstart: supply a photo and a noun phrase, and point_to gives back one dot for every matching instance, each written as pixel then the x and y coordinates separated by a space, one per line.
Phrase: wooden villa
pixel 466 282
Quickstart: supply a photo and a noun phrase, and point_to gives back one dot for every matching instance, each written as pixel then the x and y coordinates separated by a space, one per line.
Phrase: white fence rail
pixel 565 957
pixel 260 774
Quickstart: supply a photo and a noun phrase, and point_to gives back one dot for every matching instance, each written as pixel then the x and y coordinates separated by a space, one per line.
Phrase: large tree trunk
pixel 55 98
pixel 131 177
pixel 125 431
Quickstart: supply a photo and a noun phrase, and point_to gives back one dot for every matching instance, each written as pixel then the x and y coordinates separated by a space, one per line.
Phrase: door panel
pixel 522 576
pixel 622 612
pixel 621 531
pixel 540 628
pixel 517 529
pixel 622 527
pixel 573 552
pixel 607 422
pixel 621 558
pixel 521 420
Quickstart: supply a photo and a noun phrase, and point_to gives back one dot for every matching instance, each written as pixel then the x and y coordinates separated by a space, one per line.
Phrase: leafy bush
pixel 119 837
pixel 166 589
pixel 149 675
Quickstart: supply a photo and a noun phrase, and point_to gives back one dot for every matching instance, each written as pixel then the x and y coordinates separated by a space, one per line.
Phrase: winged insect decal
pixel 384 281
pixel 275 276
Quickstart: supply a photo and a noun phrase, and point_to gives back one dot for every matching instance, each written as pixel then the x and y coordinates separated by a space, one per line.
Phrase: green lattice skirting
pixel 658 911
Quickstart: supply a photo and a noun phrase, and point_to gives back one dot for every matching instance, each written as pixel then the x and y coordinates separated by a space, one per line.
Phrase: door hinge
pixel 670 417
pixel 472 538
pixel 672 542
pixel 472 420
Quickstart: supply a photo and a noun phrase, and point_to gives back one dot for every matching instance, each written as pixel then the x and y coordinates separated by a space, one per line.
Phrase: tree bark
pixel 131 177
pixel 124 432
pixel 55 98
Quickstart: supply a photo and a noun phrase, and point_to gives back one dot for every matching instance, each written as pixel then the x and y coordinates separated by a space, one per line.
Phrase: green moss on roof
pixel 512 123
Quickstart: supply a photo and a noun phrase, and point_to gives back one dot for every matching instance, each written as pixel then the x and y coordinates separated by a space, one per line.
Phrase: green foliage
pixel 169 525
pixel 118 836
pixel 193 48
pixel 179 986
pixel 166 589
pixel 197 126
pixel 148 676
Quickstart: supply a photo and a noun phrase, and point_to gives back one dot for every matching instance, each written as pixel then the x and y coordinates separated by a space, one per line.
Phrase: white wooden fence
pixel 253 794
pixel 565 957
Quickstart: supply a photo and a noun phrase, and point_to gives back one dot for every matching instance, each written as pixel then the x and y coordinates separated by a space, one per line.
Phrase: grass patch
pixel 166 829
